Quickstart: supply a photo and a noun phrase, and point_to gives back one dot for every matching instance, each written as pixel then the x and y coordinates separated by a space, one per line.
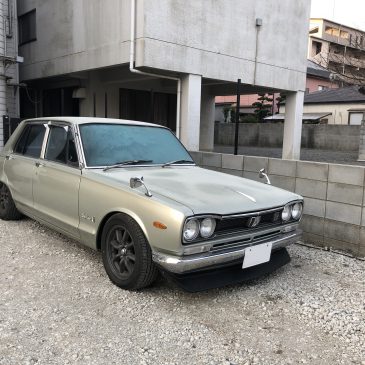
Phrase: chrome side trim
pixel 184 264
pixel 261 212
pixel 79 146
pixel 45 141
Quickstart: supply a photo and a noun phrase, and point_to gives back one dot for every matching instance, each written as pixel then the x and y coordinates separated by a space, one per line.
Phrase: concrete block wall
pixel 321 136
pixel 334 206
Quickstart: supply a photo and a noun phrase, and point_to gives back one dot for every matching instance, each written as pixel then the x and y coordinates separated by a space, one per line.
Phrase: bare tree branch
pixel 344 58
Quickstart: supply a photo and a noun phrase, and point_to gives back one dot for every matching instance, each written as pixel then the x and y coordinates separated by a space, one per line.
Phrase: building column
pixel 2 76
pixel 293 125
pixel 362 140
pixel 207 122
pixel 190 111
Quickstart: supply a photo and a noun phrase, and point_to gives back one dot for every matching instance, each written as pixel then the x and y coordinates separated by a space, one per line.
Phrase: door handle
pixel 40 164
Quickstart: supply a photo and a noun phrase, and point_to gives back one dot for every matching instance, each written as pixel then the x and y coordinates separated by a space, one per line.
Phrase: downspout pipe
pixel 134 70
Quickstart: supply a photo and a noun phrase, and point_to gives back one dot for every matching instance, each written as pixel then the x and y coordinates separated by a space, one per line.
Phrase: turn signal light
pixel 159 225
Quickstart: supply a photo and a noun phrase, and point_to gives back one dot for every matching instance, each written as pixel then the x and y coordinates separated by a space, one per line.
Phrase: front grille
pixel 241 243
pixel 234 224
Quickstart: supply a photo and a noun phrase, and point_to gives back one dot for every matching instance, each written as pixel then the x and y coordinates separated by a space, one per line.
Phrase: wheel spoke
pixel 122 267
pixel 129 245
pixel 128 266
pixel 116 257
pixel 125 236
pixel 131 257
pixel 115 244
pixel 118 236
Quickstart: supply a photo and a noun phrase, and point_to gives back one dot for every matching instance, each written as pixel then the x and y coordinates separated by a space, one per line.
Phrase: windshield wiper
pixel 177 162
pixel 124 163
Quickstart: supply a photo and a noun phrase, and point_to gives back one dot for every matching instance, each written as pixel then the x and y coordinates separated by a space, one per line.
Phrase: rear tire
pixel 8 209
pixel 127 256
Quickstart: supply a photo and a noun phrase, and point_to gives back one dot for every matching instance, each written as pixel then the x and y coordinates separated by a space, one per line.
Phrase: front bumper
pixel 186 264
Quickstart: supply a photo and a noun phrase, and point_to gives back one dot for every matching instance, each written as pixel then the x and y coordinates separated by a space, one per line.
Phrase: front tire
pixel 127 256
pixel 8 209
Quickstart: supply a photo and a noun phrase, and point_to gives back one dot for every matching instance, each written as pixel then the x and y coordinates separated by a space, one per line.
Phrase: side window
pixel 31 140
pixel 61 146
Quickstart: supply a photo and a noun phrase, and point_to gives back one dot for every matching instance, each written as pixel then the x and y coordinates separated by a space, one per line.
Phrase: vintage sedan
pixel 131 190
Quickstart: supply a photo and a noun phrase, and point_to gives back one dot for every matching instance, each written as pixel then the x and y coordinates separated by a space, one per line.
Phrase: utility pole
pixel 237 116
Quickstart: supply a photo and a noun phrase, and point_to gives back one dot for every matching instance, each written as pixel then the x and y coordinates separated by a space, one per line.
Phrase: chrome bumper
pixel 183 264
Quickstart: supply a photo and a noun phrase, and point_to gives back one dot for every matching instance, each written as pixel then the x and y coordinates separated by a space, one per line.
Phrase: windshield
pixel 108 144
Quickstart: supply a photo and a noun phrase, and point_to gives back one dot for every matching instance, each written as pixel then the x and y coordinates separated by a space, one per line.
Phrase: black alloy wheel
pixel 127 256
pixel 121 253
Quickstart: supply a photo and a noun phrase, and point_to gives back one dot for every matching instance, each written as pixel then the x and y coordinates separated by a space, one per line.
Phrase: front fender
pixel 97 201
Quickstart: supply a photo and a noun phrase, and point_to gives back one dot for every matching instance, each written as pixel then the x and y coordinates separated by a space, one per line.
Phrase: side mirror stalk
pixel 136 182
pixel 263 174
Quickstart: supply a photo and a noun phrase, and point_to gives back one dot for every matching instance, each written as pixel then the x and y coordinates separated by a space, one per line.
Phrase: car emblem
pixel 253 221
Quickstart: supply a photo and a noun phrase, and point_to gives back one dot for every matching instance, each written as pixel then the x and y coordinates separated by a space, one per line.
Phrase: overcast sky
pixel 346 12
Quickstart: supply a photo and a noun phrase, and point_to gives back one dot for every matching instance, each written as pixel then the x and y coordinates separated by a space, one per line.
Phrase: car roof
pixel 88 120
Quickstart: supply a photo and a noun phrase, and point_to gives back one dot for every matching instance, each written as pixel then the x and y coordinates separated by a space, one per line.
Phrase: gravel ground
pixel 57 306
pixel 306 154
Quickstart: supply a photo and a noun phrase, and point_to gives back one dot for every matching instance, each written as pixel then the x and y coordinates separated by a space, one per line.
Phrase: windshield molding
pixel 87 167
pixel 145 165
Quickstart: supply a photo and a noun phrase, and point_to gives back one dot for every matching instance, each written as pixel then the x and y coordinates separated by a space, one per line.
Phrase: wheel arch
pixel 111 214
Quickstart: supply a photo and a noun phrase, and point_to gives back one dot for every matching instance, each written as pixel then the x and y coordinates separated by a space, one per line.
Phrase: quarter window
pixel 31 140
pixel 61 146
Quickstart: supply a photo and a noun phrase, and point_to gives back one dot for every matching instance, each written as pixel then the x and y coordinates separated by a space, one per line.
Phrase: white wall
pixel 212 38
pixel 75 35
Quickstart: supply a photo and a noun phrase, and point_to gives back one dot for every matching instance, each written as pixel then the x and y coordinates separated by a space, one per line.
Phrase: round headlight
pixel 207 227
pixel 286 213
pixel 191 230
pixel 296 211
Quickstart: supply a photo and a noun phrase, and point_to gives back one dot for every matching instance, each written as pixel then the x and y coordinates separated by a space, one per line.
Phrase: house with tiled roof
pixel 336 106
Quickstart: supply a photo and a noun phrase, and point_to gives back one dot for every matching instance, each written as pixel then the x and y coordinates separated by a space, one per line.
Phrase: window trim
pixel 21 134
pixel 129 124
pixel 35 25
pixel 77 165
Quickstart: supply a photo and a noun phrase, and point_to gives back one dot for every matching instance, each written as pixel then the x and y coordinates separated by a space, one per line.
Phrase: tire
pixel 8 209
pixel 127 256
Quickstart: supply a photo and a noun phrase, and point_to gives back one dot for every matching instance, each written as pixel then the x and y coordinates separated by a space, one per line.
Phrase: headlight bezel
pixel 290 207
pixel 196 234
pixel 214 224
pixel 286 210
pixel 199 219
pixel 299 216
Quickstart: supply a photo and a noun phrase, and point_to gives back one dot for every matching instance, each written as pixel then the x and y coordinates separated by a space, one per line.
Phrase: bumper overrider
pixel 210 260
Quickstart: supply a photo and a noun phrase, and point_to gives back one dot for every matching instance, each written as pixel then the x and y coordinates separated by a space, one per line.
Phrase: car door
pixel 20 165
pixel 57 181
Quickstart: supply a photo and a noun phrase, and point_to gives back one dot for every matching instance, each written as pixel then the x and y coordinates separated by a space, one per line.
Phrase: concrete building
pixel 79 60
pixel 338 48
pixel 9 95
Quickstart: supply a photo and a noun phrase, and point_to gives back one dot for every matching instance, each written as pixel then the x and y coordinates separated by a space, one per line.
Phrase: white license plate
pixel 257 255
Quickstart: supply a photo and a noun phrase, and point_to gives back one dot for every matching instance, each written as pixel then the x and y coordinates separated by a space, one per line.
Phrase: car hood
pixel 205 191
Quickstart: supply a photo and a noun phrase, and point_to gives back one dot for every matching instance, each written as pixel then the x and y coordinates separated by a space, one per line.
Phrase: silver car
pixel 132 191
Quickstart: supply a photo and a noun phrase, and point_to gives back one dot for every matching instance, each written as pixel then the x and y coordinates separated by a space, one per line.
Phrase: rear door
pixel 20 165
pixel 57 181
